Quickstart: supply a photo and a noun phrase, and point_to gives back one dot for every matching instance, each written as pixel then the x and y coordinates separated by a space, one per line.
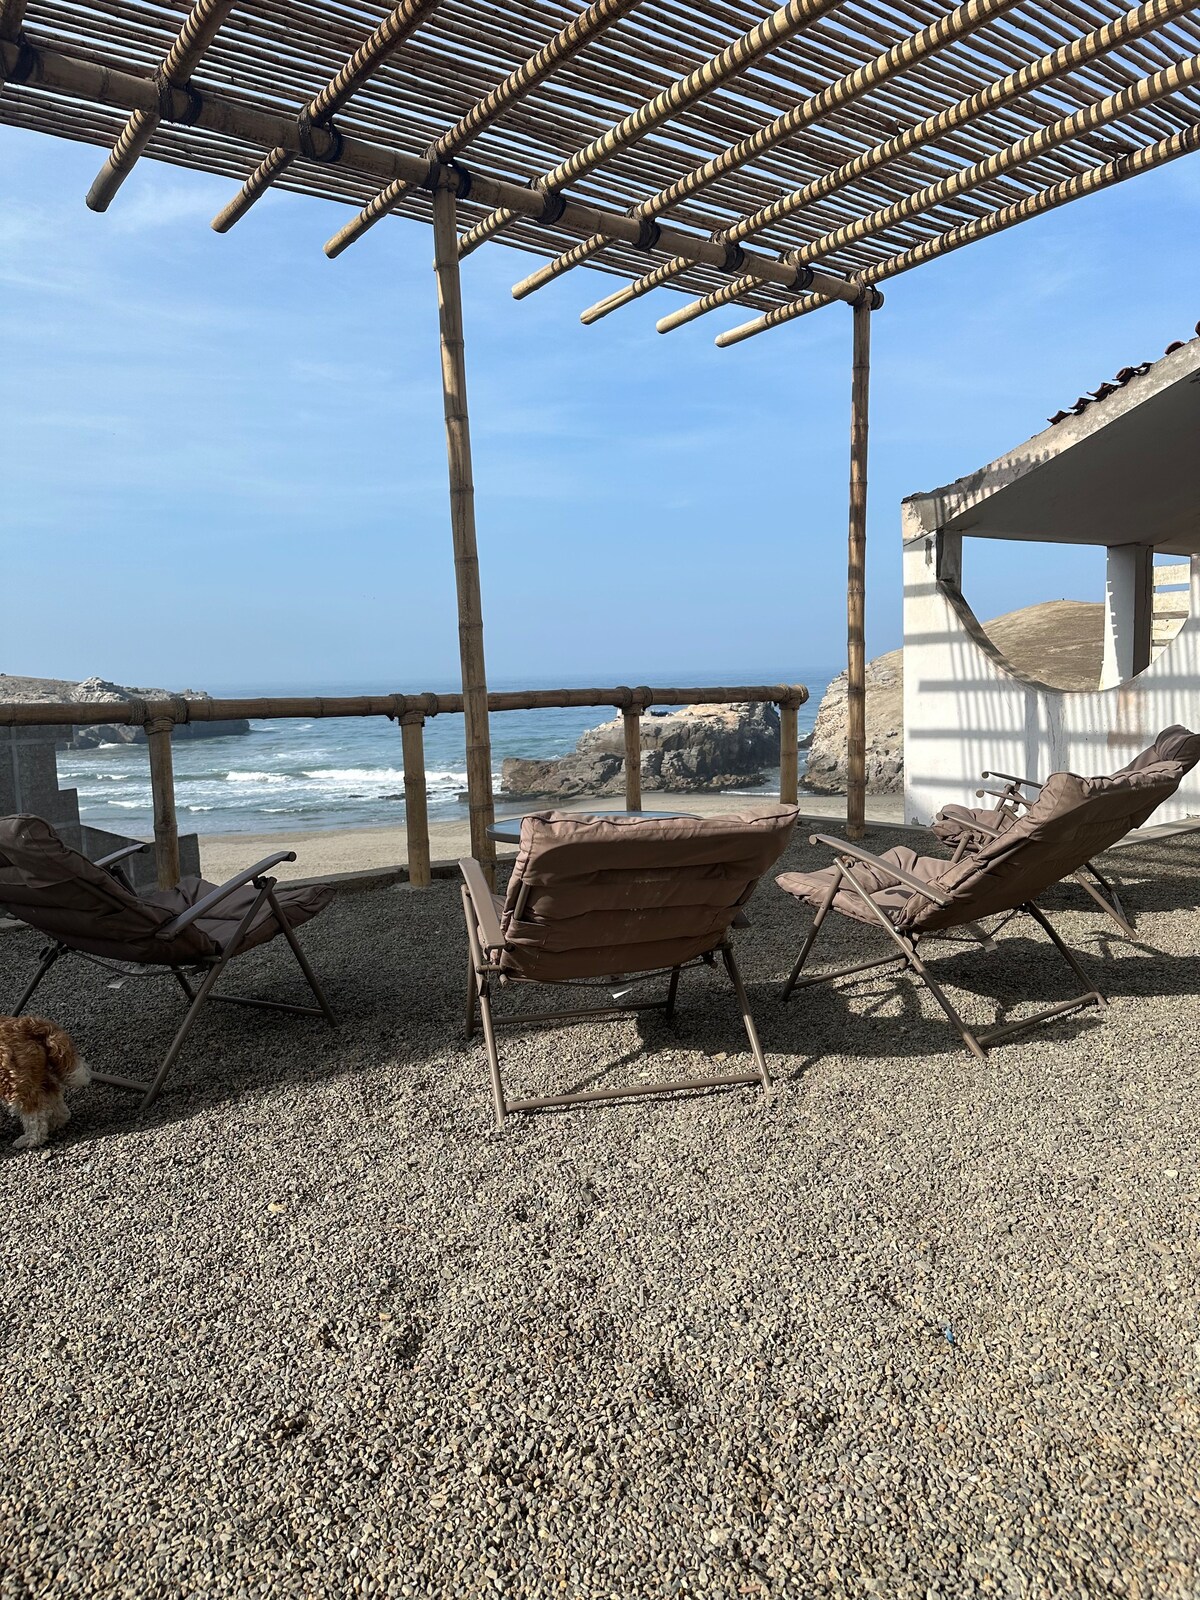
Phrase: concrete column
pixel 1128 613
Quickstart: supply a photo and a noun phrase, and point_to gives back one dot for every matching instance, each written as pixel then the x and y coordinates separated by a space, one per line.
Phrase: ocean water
pixel 337 772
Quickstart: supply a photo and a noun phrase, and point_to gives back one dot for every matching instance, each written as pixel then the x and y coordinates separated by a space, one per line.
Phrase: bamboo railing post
pixel 416 807
pixel 162 788
pixel 462 527
pixel 632 717
pixel 856 653
pixel 789 753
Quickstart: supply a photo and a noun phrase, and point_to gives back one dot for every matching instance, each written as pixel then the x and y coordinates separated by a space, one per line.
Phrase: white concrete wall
pixel 964 710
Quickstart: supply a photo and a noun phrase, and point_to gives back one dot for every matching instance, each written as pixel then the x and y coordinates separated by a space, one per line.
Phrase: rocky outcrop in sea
pixel 93 690
pixel 695 749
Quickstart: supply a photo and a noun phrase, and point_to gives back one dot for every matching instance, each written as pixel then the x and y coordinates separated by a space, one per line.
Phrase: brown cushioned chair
pixel 90 908
pixel 967 828
pixel 912 897
pixel 593 900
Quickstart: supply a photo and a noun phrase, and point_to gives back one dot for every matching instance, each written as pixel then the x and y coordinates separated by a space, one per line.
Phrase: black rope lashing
pixel 326 153
pixel 804 278
pixel 169 109
pixel 464 182
pixel 649 233
pixel 24 66
pixel 735 258
pixel 553 204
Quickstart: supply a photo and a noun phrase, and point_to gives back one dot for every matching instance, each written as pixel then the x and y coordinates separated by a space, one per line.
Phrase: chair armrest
pixel 1008 777
pixel 1009 795
pixel 482 903
pixel 843 847
pixel 119 855
pixel 186 918
pixel 975 826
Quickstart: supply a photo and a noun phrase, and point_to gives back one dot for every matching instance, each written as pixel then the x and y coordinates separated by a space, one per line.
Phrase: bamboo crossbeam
pixel 856 662
pixel 1122 30
pixel 52 70
pixel 1145 91
pixel 396 27
pixel 568 42
pixel 842 92
pixel 137 713
pixel 735 58
pixel 462 528
pixel 193 39
pixel 1131 165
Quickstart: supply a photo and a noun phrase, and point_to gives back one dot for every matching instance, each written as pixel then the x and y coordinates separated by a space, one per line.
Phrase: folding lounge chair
pixel 967 827
pixel 914 897
pixel 597 902
pixel 195 930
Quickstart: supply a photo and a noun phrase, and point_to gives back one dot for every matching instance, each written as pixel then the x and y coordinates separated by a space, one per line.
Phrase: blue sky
pixel 225 462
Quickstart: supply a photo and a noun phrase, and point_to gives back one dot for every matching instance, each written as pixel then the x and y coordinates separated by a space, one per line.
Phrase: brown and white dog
pixel 37 1062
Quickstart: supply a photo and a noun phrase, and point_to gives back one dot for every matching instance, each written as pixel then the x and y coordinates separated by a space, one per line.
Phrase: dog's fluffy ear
pixel 60 1052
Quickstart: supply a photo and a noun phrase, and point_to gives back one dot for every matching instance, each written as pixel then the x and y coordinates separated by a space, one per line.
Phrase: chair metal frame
pixel 1013 801
pixel 978 1042
pixel 486 940
pixel 211 968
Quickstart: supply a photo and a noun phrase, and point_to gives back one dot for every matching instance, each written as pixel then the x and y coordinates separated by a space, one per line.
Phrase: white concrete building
pixel 1121 470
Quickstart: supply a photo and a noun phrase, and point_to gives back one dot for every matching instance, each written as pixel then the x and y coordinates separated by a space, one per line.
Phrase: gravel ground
pixel 915 1326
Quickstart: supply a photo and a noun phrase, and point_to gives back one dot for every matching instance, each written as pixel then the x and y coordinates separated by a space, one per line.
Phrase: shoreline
pixel 322 852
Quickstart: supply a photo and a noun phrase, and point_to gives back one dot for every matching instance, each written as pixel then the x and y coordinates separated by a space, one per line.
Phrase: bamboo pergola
pixel 778 158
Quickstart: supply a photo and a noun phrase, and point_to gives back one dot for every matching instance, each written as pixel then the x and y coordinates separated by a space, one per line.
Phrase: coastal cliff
pixel 93 690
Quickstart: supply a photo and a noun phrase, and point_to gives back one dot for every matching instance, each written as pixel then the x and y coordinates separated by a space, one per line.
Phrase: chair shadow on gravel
pixel 706 1022
pixel 889 1013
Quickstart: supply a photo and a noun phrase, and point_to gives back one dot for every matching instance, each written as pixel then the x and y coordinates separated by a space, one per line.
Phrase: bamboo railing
pixel 160 718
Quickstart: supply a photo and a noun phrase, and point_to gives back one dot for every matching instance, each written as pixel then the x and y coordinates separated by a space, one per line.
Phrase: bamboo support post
pixel 590 24
pixel 162 788
pixel 789 753
pixel 462 525
pixel 416 806
pixel 399 23
pixel 632 718
pixel 856 663
pixel 193 39
pixel 752 45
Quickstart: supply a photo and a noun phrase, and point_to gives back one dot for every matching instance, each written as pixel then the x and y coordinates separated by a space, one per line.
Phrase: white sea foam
pixel 257 777
pixel 356 774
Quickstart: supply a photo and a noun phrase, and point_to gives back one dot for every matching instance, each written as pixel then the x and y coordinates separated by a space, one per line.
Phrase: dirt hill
pixel 1060 643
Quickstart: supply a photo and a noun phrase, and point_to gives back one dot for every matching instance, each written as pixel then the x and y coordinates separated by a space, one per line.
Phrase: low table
pixel 507 830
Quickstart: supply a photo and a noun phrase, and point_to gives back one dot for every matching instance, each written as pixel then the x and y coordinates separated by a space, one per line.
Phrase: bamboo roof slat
pixel 1183 143
pixel 391 32
pixel 869 171
pixel 193 39
pixel 841 92
pixel 566 43
pixel 702 80
pixel 1134 23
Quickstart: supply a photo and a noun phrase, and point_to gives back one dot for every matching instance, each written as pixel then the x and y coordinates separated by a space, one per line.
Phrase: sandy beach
pixel 324 851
